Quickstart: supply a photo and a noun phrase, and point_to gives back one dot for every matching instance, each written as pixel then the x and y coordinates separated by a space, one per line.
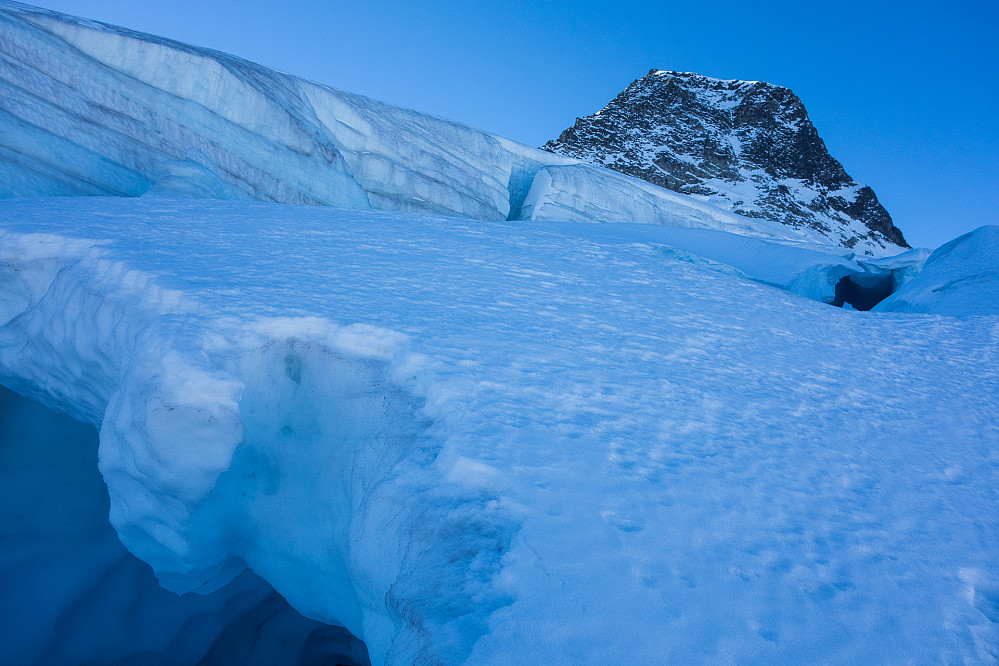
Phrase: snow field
pixel 798 267
pixel 489 442
pixel 465 440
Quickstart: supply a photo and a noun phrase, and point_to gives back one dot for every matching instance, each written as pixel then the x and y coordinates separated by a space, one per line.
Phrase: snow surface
pixel 801 268
pixel 516 442
pixel 959 278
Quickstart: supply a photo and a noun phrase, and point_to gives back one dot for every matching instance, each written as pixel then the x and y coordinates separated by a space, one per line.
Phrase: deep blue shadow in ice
pixel 71 593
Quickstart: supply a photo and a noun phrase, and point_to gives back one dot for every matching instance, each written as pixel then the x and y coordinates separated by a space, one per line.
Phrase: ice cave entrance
pixel 862 292
pixel 71 593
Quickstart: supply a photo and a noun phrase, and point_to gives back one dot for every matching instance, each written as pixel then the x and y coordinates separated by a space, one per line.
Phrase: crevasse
pixel 229 443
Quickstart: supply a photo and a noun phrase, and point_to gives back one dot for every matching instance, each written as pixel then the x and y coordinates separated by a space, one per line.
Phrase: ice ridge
pixel 93 109
pixel 214 436
pixel 960 278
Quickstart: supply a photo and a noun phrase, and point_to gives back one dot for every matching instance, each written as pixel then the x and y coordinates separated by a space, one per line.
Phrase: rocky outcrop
pixel 745 146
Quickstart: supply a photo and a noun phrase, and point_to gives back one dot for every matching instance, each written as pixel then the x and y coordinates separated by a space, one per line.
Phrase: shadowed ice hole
pixel 71 593
pixel 862 293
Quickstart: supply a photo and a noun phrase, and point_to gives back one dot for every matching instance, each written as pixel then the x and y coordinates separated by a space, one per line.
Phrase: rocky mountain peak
pixel 745 146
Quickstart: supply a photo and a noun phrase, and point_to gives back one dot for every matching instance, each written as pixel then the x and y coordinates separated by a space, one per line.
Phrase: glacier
pixel 93 109
pixel 960 278
pixel 442 415
pixel 760 249
pixel 499 442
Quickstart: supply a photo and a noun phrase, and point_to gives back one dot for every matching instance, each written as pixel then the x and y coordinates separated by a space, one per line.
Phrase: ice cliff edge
pixel 92 109
pixel 215 442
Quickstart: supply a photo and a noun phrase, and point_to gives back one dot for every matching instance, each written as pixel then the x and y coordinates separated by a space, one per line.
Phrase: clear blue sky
pixel 904 94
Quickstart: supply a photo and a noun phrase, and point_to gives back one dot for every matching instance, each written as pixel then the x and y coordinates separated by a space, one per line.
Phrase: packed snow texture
pixel 792 260
pixel 775 254
pixel 515 442
pixel 72 594
pixel 959 278
pixel 800 268
pixel 92 109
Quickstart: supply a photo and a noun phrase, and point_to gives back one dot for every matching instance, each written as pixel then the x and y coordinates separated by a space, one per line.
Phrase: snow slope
pixel 515 442
pixel 800 268
pixel 960 278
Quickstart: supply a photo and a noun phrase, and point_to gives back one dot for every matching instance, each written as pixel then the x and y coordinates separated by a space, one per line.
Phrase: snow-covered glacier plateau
pixel 444 416
pixel 506 442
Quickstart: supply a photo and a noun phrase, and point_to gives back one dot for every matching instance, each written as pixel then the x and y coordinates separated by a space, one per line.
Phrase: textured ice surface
pixel 88 108
pixel 515 442
pixel 586 193
pixel 91 109
pixel 960 278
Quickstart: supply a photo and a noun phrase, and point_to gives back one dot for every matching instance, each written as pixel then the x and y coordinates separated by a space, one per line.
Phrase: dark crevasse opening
pixel 862 293
pixel 71 593
pixel 521 178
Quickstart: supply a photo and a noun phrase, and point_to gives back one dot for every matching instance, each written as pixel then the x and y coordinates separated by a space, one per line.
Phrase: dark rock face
pixel 745 146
